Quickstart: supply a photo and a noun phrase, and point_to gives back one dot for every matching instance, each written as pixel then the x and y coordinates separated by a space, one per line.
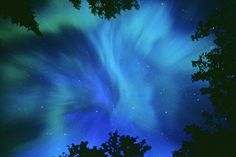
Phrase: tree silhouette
pixel 124 146
pixel 82 150
pixel 110 8
pixel 22 13
pixel 217 137
pixel 208 143
pixel 76 3
pixel 116 146
pixel 218 65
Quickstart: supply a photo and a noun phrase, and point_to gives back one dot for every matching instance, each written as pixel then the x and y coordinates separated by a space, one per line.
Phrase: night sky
pixel 88 76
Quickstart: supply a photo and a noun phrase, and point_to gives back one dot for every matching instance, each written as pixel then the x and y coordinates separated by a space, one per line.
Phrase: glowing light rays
pixel 130 80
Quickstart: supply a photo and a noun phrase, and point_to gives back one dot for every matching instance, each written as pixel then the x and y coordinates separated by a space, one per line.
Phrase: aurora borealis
pixel 87 76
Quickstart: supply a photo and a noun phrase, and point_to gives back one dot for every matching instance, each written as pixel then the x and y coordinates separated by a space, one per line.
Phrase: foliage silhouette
pixel 217 137
pixel 76 3
pixel 22 13
pixel 116 146
pixel 110 8
pixel 218 65
pixel 208 143
pixel 124 146
pixel 82 150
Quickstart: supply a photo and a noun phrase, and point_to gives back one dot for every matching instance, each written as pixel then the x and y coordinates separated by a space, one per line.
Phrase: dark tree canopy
pixel 76 3
pixel 124 146
pixel 116 146
pixel 206 143
pixel 217 137
pixel 82 150
pixel 110 8
pixel 218 66
pixel 21 12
